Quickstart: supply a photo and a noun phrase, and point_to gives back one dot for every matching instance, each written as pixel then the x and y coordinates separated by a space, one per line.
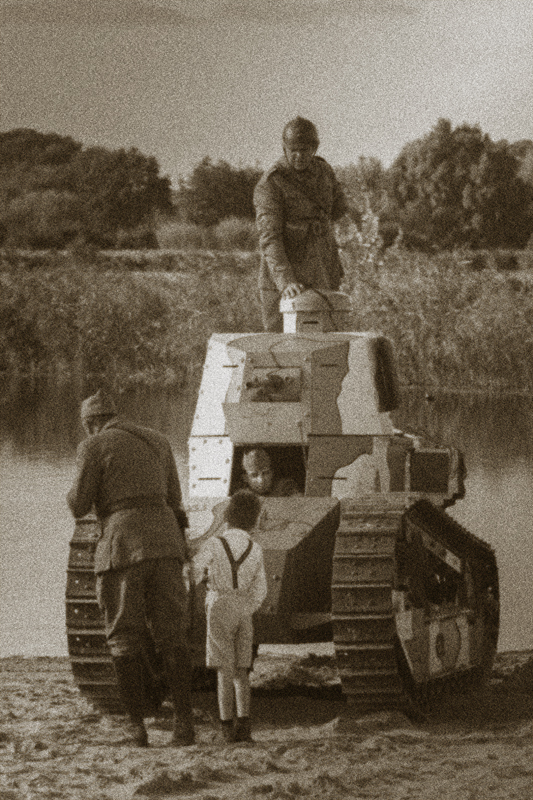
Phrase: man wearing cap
pixel 127 473
pixel 296 202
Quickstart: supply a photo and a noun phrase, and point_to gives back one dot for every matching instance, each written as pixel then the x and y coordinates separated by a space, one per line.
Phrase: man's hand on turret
pixel 292 290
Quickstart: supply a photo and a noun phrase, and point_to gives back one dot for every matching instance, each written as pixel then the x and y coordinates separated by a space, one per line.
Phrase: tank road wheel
pixel 364 631
pixel 90 659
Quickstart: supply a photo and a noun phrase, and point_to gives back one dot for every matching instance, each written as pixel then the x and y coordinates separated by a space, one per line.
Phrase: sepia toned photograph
pixel 266 399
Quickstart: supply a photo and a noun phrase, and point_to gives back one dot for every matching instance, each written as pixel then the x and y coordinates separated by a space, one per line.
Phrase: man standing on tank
pixel 296 202
pixel 128 474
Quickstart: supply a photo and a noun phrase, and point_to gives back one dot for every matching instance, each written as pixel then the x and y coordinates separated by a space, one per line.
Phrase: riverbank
pixel 308 744
pixel 451 327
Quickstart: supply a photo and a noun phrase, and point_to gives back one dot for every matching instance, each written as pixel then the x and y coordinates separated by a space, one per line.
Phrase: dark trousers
pixel 146 594
pixel 272 318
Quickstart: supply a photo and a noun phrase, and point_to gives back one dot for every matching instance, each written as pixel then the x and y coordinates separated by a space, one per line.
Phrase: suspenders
pixel 235 563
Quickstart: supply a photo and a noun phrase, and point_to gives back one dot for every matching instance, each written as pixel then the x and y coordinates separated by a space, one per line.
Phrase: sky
pixel 185 79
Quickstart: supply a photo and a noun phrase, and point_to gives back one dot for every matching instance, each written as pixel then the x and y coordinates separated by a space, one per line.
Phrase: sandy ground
pixel 308 742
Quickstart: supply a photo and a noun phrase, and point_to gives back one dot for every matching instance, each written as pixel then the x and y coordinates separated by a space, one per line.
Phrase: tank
pixel 364 555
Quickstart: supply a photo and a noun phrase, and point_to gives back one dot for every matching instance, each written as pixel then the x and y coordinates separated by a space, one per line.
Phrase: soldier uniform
pixel 128 473
pixel 295 209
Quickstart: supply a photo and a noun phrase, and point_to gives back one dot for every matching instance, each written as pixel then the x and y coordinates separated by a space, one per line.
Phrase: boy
pixel 236 587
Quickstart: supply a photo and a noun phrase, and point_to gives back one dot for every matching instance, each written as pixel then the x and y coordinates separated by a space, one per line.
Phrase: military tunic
pixel 294 215
pixel 130 466
pixel 129 474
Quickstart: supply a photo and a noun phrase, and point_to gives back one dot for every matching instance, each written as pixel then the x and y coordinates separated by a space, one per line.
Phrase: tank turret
pixel 320 399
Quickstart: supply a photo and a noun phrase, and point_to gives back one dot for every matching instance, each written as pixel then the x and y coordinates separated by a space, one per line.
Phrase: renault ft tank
pixel 364 555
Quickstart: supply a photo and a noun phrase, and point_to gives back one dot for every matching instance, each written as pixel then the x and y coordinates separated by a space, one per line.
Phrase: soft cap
pixel 97 405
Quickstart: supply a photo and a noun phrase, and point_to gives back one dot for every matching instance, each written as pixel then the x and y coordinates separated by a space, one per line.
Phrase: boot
pixel 243 730
pixel 128 671
pixel 179 673
pixel 226 731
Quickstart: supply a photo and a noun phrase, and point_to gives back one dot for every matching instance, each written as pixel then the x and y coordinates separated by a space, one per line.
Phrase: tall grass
pixel 452 328
pixel 119 328
pixel 232 233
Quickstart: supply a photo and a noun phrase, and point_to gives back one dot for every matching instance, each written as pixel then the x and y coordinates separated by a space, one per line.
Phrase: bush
pixel 505 261
pixel 233 233
pixel 41 220
pixel 478 262
pixel 451 327
pixel 236 234
pixel 122 328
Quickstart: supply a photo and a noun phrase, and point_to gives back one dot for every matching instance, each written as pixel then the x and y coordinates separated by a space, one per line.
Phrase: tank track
pixel 364 632
pixel 372 667
pixel 90 659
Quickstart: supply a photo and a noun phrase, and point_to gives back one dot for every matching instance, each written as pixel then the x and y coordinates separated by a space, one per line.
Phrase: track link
pixel 364 632
pixel 90 659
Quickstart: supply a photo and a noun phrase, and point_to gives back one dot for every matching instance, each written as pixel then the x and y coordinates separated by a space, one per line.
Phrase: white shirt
pixel 213 560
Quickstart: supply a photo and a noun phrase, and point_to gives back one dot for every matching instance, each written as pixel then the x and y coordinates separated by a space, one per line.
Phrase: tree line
pixel 454 187
pixel 53 193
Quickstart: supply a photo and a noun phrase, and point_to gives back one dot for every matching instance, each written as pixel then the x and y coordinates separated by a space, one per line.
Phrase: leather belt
pixel 142 501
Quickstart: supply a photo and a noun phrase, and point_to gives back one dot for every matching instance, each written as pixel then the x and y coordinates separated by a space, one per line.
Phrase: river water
pixel 39 432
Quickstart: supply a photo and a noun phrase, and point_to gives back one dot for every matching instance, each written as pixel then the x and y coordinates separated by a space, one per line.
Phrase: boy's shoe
pixel 226 731
pixel 243 730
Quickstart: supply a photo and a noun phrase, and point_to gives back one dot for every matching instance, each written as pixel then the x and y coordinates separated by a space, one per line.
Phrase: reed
pixel 452 328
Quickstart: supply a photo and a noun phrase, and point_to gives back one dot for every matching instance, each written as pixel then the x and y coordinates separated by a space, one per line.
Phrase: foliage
pixel 452 327
pixel 143 237
pixel 216 191
pixel 177 235
pixel 26 146
pixel 119 190
pixel 365 185
pixel 43 219
pixel 52 192
pixel 233 233
pixel 458 188
pixel 523 151
pixel 119 327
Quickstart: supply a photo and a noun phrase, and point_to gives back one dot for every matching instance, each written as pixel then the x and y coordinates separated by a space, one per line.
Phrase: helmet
pixel 300 132
pixel 256 460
